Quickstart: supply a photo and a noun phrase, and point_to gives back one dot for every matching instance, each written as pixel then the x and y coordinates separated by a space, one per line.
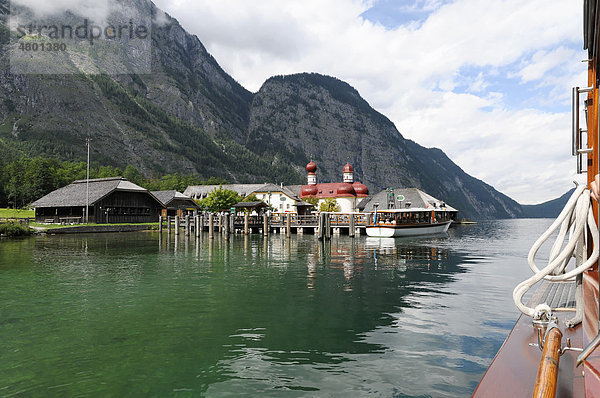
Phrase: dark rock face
pixel 309 116
pixel 189 116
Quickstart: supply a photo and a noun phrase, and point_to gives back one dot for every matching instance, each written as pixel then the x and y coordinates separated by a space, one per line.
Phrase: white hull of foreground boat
pixel 407 230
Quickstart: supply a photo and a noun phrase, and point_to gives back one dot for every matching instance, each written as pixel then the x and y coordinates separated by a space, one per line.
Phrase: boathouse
pixel 111 200
pixel 347 193
pixel 405 198
pixel 175 203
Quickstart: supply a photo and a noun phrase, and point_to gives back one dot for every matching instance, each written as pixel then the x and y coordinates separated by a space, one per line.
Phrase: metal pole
pixel 87 184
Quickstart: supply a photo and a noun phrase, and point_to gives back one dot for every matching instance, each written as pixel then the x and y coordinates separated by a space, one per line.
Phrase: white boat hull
pixel 407 230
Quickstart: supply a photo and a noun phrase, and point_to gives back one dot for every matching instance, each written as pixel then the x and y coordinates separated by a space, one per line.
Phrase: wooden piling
pixel 160 224
pixel 211 226
pixel 197 226
pixel 265 225
pixel 246 223
pixel 176 225
pixel 169 224
pixel 220 223
pixel 226 225
pixel 187 225
pixel 327 226
pixel 288 226
pixel 352 230
pixel 321 226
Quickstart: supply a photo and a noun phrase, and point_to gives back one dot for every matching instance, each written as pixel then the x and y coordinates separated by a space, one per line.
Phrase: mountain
pixel 187 116
pixel 190 116
pixel 549 209
pixel 309 116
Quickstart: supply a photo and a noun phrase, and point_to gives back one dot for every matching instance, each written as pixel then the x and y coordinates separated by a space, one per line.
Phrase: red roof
pixel 311 167
pixel 333 190
pixel 348 168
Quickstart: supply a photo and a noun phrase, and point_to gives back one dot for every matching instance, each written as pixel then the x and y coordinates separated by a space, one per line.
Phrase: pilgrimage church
pixel 347 193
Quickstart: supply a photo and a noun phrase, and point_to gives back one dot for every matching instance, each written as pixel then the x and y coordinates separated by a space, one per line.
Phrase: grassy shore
pixel 16 213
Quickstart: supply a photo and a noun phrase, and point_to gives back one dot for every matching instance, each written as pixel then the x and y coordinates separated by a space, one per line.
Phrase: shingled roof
pixel 74 194
pixel 167 197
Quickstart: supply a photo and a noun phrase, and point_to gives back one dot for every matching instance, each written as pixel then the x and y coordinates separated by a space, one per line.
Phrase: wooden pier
pixel 323 224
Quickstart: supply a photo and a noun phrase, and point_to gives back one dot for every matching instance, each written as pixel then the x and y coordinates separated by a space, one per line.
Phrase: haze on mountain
pixel 190 116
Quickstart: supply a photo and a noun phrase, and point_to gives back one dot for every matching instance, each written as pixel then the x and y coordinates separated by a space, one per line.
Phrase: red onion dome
pixel 311 167
pixel 360 188
pixel 309 190
pixel 348 168
pixel 346 189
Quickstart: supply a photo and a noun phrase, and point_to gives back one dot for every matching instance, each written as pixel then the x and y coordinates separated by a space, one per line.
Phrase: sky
pixel 488 82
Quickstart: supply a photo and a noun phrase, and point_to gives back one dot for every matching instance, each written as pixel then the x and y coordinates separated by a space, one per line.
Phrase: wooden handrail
pixel 547 376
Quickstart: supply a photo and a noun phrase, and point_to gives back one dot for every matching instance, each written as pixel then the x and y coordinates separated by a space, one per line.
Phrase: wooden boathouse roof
pixel 166 197
pixel 74 194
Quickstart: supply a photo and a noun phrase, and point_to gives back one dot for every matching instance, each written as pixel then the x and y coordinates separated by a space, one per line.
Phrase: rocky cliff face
pixel 189 116
pixel 310 116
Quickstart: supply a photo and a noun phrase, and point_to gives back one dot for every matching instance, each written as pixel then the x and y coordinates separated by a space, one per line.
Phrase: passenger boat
pixel 407 222
pixel 553 349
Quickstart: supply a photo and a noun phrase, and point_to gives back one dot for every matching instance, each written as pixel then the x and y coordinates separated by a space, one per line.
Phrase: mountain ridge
pixel 190 116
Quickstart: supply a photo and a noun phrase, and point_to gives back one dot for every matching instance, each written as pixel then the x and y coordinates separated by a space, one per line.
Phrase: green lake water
pixel 134 314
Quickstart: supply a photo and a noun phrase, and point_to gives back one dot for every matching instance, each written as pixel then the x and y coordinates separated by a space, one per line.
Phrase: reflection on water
pixel 115 314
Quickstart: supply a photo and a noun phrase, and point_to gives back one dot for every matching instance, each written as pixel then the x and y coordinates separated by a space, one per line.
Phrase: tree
pixel 313 200
pixel 220 199
pixel 329 204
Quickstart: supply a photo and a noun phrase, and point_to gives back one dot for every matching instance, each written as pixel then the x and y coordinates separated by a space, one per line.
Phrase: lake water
pixel 132 314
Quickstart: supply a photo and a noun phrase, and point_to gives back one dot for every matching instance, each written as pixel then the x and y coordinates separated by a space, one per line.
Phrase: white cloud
pixel 413 73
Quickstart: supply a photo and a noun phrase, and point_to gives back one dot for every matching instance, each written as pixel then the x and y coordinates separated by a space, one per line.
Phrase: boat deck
pixel 513 371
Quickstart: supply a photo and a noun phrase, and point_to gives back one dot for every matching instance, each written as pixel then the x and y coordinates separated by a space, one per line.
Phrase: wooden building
pixel 111 200
pixel 175 203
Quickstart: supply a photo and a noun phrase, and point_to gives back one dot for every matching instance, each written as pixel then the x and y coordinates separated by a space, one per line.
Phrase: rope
pixel 572 220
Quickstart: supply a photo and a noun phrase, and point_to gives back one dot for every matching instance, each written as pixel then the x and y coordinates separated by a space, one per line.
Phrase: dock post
pixel 176 225
pixel 327 226
pixel 187 225
pixel 211 226
pixel 352 230
pixel 265 225
pixel 197 226
pixel 246 223
pixel 160 222
pixel 288 225
pixel 320 226
pixel 226 223
pixel 169 224
pixel 220 223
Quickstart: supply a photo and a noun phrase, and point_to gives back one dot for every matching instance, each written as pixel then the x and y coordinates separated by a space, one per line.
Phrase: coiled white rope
pixel 576 215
